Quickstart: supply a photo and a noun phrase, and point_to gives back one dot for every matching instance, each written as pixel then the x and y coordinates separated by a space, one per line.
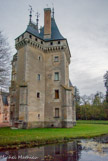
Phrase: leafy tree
pixel 97 100
pixel 77 96
pixel 106 85
pixel 5 58
pixel 77 102
pixel 92 107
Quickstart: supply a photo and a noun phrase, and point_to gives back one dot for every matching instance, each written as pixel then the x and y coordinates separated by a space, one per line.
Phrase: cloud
pixel 83 23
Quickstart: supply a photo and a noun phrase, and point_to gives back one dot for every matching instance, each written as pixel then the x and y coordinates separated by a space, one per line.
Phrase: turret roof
pixel 55 33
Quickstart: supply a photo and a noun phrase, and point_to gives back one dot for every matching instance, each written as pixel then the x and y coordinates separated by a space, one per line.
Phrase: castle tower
pixel 41 93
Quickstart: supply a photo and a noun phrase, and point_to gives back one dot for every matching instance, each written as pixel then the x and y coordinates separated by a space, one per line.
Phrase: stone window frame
pixel 57 112
pixel 55 61
pixel 56 58
pixel 56 71
pixel 53 96
pixel 38 77
pixel 56 76
pixel 56 94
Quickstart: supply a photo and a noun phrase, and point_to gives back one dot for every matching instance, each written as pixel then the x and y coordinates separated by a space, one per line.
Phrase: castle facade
pixel 41 92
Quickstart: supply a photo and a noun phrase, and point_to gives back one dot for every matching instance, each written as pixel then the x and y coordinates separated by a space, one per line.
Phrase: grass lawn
pixel 92 122
pixel 49 135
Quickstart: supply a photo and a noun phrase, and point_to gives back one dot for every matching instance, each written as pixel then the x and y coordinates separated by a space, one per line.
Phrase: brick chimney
pixel 47 23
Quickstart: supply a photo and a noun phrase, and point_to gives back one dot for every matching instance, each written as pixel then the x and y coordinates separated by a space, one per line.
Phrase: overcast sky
pixel 85 25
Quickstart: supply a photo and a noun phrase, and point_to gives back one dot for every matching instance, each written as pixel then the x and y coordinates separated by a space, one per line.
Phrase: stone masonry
pixel 41 92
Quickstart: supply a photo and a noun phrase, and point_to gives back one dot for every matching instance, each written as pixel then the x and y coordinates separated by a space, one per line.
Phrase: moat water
pixel 95 149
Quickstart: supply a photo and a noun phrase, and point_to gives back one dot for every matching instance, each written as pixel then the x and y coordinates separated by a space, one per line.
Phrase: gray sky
pixel 85 25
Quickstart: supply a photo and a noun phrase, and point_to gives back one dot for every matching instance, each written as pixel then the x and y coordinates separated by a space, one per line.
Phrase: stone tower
pixel 41 93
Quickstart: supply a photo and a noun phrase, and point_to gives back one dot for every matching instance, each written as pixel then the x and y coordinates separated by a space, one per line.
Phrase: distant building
pixel 4 107
pixel 41 92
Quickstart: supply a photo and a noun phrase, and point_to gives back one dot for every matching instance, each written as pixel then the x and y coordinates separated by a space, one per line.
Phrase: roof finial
pixel 53 10
pixel 31 10
pixel 37 18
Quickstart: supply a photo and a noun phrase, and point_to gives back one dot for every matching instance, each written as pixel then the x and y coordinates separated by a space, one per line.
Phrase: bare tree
pixel 5 58
pixel 85 100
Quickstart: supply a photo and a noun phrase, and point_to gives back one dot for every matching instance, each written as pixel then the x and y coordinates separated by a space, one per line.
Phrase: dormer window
pixel 18 39
pixel 30 36
pixel 41 42
pixel 59 42
pixel 35 39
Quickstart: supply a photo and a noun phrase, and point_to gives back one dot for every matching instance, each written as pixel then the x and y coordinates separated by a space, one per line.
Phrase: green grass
pixel 49 135
pixel 92 122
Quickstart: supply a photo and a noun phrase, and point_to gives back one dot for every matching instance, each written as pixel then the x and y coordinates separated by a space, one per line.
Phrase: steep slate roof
pixel 31 28
pixel 55 33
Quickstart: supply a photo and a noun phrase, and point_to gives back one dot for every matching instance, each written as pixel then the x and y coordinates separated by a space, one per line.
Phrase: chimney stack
pixel 47 23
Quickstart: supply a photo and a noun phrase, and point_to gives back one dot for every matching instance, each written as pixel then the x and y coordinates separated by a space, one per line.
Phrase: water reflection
pixel 82 150
pixel 60 152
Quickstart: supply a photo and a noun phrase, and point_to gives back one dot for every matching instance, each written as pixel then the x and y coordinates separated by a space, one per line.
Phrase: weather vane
pixel 37 18
pixel 31 10
pixel 53 10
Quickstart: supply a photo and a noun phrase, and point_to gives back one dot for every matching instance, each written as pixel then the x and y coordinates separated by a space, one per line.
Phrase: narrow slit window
pixel 56 94
pixel 38 115
pixel 38 76
pixel 39 58
pixel 38 95
pixel 57 112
